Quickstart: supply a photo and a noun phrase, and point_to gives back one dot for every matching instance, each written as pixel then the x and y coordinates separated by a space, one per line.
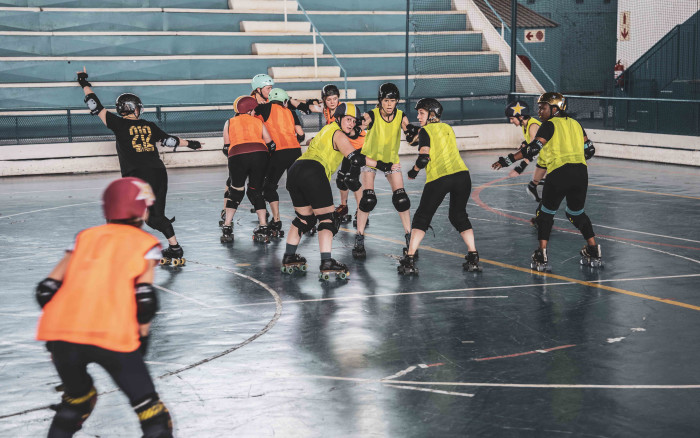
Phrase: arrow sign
pixel 624 26
pixel 534 36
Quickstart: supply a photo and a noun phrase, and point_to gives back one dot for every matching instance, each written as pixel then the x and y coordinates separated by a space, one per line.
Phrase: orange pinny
pixel 245 135
pixel 281 125
pixel 96 304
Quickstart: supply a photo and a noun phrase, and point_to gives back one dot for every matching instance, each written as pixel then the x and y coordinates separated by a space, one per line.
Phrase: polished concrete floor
pixel 239 349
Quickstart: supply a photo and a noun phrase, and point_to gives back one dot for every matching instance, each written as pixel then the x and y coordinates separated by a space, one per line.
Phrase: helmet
pixel 431 105
pixel 244 104
pixel 128 103
pixel 553 99
pixel 346 109
pixel 389 91
pixel 127 198
pixel 329 90
pixel 278 95
pixel 261 80
pixel 517 108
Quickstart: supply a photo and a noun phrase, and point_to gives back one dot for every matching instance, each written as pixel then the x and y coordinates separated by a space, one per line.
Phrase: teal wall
pixel 548 55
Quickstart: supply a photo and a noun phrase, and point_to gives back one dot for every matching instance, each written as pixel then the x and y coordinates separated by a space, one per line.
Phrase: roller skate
pixel 407 236
pixel 173 255
pixel 223 217
pixel 358 252
pixel 261 234
pixel 276 229
pixel 331 266
pixel 539 261
pixel 591 256
pixel 341 212
pixel 354 221
pixel 292 263
pixel 472 262
pixel 227 234
pixel 407 265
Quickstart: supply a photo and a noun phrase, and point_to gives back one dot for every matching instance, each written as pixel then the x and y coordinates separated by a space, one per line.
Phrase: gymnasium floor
pixel 239 349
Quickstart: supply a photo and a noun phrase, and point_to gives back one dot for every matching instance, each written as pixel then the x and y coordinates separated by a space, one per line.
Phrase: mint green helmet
pixel 261 81
pixel 278 95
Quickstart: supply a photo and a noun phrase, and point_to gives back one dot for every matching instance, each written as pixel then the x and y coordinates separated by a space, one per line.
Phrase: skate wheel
pixel 163 262
pixel 176 262
pixel 303 268
pixel 182 261
pixel 284 269
pixel 343 275
pixel 325 276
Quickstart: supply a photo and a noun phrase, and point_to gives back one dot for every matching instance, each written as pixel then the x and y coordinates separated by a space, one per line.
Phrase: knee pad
pixel 255 198
pixel 73 411
pixel 304 227
pixel 545 222
pixel 581 221
pixel 368 201
pixel 154 418
pixel 331 226
pixel 400 200
pixel 460 221
pixel 235 196
pixel 270 192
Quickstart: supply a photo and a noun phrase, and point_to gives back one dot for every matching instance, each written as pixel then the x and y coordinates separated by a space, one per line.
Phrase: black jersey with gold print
pixel 136 143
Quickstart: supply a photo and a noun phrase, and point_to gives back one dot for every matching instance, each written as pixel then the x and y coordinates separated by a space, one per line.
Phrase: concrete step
pixel 316 94
pixel 276 26
pixel 286 49
pixel 304 72
pixel 262 5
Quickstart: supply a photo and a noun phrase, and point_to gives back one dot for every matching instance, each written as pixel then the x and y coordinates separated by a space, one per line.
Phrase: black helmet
pixel 389 91
pixel 430 105
pixel 518 108
pixel 329 90
pixel 128 103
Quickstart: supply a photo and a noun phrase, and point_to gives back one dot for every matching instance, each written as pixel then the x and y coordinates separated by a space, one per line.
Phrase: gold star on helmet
pixel 517 109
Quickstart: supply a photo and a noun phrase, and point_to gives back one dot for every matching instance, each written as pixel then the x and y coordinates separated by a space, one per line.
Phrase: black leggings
pixel 158 179
pixel 459 186
pixel 127 370
pixel 279 162
pixel 251 167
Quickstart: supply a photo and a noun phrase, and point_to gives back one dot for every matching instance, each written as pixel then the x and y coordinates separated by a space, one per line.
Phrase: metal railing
pixel 315 31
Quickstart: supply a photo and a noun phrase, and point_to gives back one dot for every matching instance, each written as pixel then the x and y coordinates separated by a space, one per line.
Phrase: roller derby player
pixel 446 174
pixel 98 303
pixel 308 183
pixel 384 126
pixel 560 137
pixel 286 131
pixel 249 145
pixel 138 156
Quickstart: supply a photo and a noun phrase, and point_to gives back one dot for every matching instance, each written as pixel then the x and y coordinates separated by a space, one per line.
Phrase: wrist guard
pixel 588 150
pixel 412 173
pixel 225 149
pixel 506 161
pixel 46 289
pixel 520 167
pixel 82 80
pixel 194 144
pixel 411 134
pixel 143 348
pixel 271 146
pixel 301 137
pixel 384 167
pixel 93 104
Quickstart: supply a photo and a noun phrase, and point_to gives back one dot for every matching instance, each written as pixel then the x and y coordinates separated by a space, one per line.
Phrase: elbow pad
pixel 588 150
pixel 93 104
pixel 301 137
pixel 46 289
pixel 357 159
pixel 532 149
pixel 422 161
pixel 171 142
pixel 146 303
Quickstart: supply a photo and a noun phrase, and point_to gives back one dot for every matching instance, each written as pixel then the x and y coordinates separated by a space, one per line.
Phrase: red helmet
pixel 244 104
pixel 127 198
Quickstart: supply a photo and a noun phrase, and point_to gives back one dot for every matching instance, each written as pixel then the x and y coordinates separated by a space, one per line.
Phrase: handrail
pixel 633 99
pixel 534 60
pixel 323 40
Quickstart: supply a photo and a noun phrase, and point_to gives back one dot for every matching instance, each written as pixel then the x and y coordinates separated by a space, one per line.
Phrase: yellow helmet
pixel 553 99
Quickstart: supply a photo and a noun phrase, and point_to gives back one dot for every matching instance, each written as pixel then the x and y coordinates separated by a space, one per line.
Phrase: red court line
pixel 477 199
pixel 523 354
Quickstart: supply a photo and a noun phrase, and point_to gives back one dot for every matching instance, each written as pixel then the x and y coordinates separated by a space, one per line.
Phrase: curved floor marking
pixel 270 324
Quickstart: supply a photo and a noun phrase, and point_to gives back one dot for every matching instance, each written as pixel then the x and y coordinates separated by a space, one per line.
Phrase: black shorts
pixel 308 185
pixel 250 166
pixel 280 161
pixel 127 370
pixel 458 186
pixel 569 181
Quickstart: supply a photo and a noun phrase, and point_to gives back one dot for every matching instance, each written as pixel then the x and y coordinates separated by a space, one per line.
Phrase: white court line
pixel 201 303
pixel 22 315
pixel 436 391
pixel 662 277
pixel 602 226
pixel 505 385
pixel 470 298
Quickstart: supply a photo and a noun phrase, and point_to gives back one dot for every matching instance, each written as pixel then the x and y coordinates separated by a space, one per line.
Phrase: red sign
pixel 534 36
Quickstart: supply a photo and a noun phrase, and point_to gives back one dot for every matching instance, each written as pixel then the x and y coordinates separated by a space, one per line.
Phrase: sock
pixel 325 255
pixel 291 249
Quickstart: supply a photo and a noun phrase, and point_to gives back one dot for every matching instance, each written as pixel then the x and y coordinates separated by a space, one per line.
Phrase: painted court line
pixel 471 298
pixel 436 391
pixel 524 353
pixel 194 300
